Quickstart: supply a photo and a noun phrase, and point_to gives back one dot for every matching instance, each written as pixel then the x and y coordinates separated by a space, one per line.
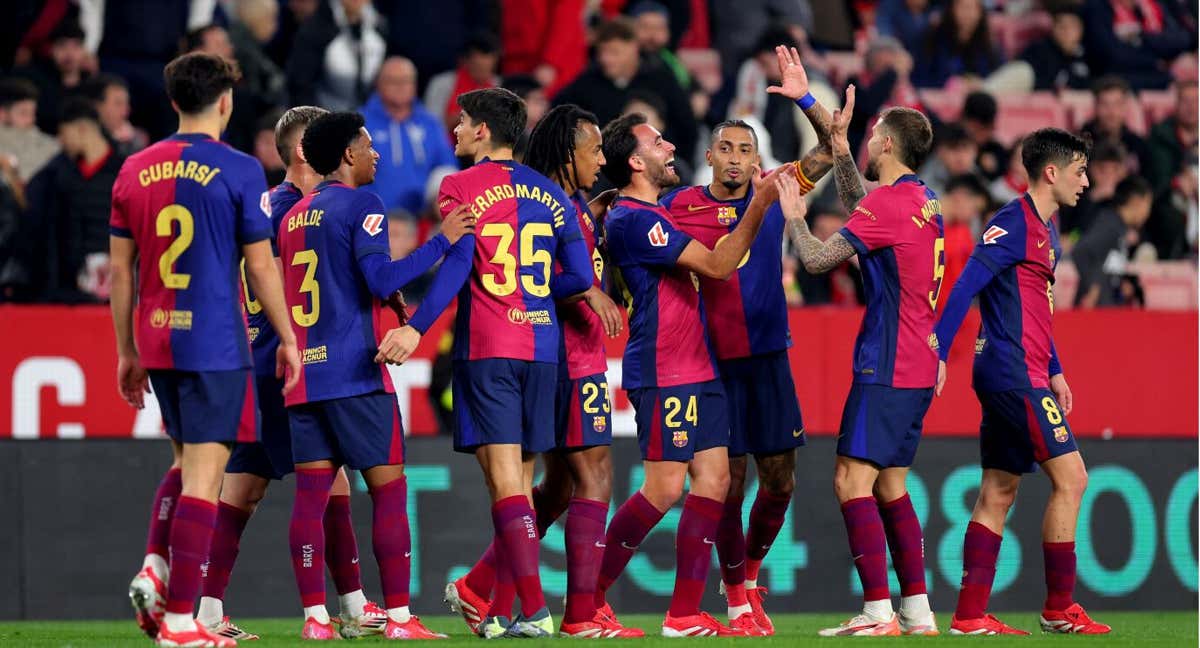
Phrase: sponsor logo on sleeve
pixel 993 234
pixel 658 237
pixel 372 224
pixel 264 202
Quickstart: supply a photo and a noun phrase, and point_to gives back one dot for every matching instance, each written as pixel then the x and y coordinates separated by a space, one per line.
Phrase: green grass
pixel 1130 629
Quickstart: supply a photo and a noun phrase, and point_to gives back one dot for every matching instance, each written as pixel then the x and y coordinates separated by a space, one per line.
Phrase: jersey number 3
pixel 506 283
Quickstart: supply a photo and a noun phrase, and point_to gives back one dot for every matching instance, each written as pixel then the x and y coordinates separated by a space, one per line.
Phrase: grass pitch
pixel 1140 629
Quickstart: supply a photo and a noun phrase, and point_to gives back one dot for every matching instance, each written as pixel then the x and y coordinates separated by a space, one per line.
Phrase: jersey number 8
pixel 506 284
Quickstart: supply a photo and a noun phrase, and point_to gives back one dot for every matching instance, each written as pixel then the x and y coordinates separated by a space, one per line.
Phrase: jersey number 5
pixel 506 284
pixel 187 228
pixel 939 270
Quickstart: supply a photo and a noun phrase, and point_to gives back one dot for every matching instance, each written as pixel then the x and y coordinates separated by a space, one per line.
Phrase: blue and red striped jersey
pixel 503 273
pixel 264 341
pixel 897 231
pixel 747 313
pixel 189 203
pixel 668 344
pixel 337 320
pixel 1015 336
pixel 582 330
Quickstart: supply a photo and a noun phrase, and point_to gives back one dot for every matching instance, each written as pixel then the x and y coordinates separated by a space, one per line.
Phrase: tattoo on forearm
pixel 849 182
pixel 816 256
pixel 816 163
pixel 821 122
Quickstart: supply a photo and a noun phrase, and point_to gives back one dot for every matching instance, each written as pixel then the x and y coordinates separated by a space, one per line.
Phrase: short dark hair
pixel 1107 151
pixel 1051 146
pixel 968 182
pixel 97 86
pixel 1131 187
pixel 67 30
pixel 733 123
pixel 551 149
pixel 16 89
pixel 521 85
pixel 651 99
pixel 194 39
pixel 951 134
pixel 649 6
pixel 619 144
pixel 912 133
pixel 327 138
pixel 773 37
pixel 619 28
pixel 980 106
pixel 289 125
pixel 502 111
pixel 78 108
pixel 195 81
pixel 1110 82
pixel 481 43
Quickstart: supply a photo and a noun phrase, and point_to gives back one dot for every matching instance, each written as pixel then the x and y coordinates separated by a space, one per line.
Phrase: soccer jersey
pixel 582 330
pixel 189 203
pixel 264 341
pixel 1015 338
pixel 747 313
pixel 897 231
pixel 667 345
pixel 338 322
pixel 524 222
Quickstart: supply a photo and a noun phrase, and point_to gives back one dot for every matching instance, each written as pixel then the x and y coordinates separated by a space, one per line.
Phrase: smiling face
pixel 363 158
pixel 467 134
pixel 657 157
pixel 732 153
pixel 589 157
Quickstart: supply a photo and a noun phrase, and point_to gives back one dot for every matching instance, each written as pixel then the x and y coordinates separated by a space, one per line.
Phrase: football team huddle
pixel 256 317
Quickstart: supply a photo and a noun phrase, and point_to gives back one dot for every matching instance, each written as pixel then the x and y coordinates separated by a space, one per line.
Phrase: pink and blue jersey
pixel 264 341
pixel 897 231
pixel 190 203
pixel 503 273
pixel 668 345
pixel 582 330
pixel 747 313
pixel 337 268
pixel 1012 269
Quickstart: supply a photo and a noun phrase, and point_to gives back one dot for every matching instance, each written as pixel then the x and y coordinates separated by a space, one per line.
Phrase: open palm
pixel 793 82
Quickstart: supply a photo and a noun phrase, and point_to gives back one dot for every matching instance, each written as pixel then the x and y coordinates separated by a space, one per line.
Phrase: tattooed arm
pixel 845 171
pixel 793 84
pixel 816 256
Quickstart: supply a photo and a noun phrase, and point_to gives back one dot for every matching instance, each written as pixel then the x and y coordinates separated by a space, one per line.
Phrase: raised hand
pixel 764 186
pixel 793 204
pixel 793 82
pixel 840 125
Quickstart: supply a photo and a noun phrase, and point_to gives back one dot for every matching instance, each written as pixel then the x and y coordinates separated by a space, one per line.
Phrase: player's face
pixel 1070 182
pixel 589 157
pixel 657 155
pixel 466 135
pixel 874 150
pixel 731 155
pixel 365 159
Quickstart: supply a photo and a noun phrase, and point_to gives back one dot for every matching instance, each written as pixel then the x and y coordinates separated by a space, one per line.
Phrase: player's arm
pixel 384 276
pixel 845 170
pixel 1058 382
pixel 132 380
pixel 723 259
pixel 571 252
pixel 793 84
pixel 817 256
pixel 262 272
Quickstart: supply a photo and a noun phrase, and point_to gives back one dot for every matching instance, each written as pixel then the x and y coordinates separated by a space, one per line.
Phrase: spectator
pixel 13 273
pixel 1172 142
pixel 1133 39
pixel 256 24
pixel 979 118
pixel 476 70
pixel 965 202
pixel 29 148
pixel 1107 166
pixel 960 46
pixel 883 82
pixel 433 34
pixel 295 13
pixel 652 23
pixel 414 152
pixel 240 131
pixel 954 154
pixel 69 205
pixel 68 66
pixel 740 25
pixel 530 91
pixel 904 20
pixel 1103 253
pixel 1113 98
pixel 110 97
pixel 605 87
pixel 1173 160
pixel 544 38
pixel 265 150
pixel 1015 180
pixel 1059 60
pixel 336 56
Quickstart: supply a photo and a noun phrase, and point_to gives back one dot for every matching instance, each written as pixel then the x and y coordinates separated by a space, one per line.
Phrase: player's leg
pixel 776 482
pixel 317 457
pixel 907 545
pixel 731 548
pixel 148 589
pixel 240 494
pixel 341 558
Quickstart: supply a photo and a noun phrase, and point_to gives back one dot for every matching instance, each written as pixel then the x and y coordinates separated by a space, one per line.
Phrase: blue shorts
pixel 1022 428
pixel 271 457
pixel 207 406
pixel 583 413
pixel 357 431
pixel 674 423
pixel 764 414
pixel 502 401
pixel 882 424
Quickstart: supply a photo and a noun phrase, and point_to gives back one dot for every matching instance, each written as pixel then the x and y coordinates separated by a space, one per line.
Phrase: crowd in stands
pixel 81 89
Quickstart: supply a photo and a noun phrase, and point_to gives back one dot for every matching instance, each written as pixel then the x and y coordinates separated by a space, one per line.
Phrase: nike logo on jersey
pixel 993 234
pixel 707 541
pixel 658 237
pixel 1041 244
pixel 407 554
pixel 354 561
pixel 693 208
pixel 796 433
pixel 600 545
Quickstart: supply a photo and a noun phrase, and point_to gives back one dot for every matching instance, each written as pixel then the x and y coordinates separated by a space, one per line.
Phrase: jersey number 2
pixel 507 282
pixel 187 228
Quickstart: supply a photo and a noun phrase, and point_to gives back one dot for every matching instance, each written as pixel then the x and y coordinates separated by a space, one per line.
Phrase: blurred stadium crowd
pixel 81 89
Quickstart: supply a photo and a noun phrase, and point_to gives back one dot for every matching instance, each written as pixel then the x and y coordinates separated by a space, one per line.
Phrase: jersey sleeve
pixel 118 219
pixel 254 205
pixel 1003 242
pixel 571 252
pixel 870 226
pixel 368 226
pixel 652 240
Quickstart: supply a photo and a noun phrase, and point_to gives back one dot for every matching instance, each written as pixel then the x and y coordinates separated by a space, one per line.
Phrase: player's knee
pixel 778 484
pixel 1073 483
pixel 663 495
pixel 595 483
pixel 997 496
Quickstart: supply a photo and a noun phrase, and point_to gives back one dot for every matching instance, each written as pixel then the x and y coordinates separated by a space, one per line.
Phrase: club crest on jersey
pixel 599 425
pixel 727 215
pixel 587 220
pixel 679 439
pixel 264 203
pixel 372 224
pixel 993 234
pixel 658 237
pixel 1060 434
